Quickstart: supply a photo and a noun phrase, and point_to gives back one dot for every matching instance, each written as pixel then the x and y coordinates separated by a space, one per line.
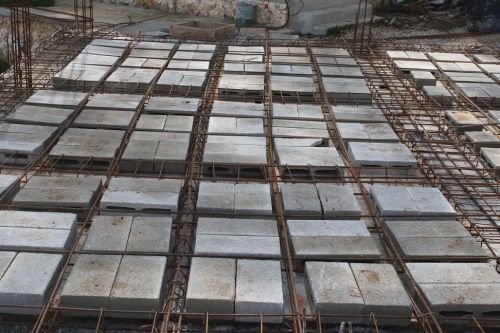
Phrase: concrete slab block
pixel 383 294
pixel 144 62
pixel 104 118
pixel 211 286
pixel 104 50
pixel 138 285
pixel 234 153
pixel 151 122
pixel 492 157
pixel 5 261
pixel 300 199
pixel 236 126
pixel 415 228
pixel 413 55
pixel 228 108
pixel 336 61
pixel 261 295
pixel 361 114
pixel 300 111
pixel 468 77
pixel 334 290
pixel 188 65
pixel 250 82
pixel 154 45
pixel 244 58
pixel 481 139
pixel 486 59
pixel 182 80
pixel 197 47
pixel 329 51
pixel 149 53
pixel 39 115
pixel 216 198
pixel 289 59
pixel 311 142
pixel 374 157
pixel 367 132
pixel 293 84
pixel 9 185
pixel 94 59
pixel 341 71
pixel 150 234
pixel 446 247
pixel 423 78
pixel 110 42
pixel 90 282
pixel 347 90
pixel 27 282
pixel 172 105
pixel 443 56
pixel 490 68
pixel 236 227
pixel 421 202
pixel 253 199
pixel 140 195
pixel 308 161
pixel 108 233
pixel 454 273
pixel 415 65
pixel 129 78
pixel 291 69
pixel 245 49
pixel 248 68
pixel 237 246
pixel 339 201
pixel 66 99
pixel 463 121
pixel 438 94
pixel 458 67
pixel 192 55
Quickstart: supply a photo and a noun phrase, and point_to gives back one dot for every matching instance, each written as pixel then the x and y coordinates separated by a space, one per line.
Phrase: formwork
pixel 232 197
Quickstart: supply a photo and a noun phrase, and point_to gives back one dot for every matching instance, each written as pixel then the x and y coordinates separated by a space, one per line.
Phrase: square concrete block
pixel 414 65
pixel 172 105
pixel 27 282
pixel 360 114
pixel 215 198
pixel 438 94
pixel 211 286
pixel 464 121
pixel 237 246
pixel 236 227
pixel 339 201
pixel 141 195
pixel 334 290
pixel 492 157
pixel 5 260
pixel 301 199
pixel 419 202
pixel 228 108
pixel 383 294
pixel 486 59
pixel 90 282
pixel 150 234
pixel 301 161
pixel 481 139
pixel 138 285
pixel 423 78
pixel 374 157
pixel 253 199
pixel 108 233
pixel 371 132
pixel 263 294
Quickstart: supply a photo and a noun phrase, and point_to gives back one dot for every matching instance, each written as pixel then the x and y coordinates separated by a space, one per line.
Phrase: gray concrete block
pixel 293 84
pixel 128 78
pixel 104 118
pixel 67 99
pixel 481 139
pixel 138 285
pixel 228 108
pixel 9 185
pixel 360 114
pixel 463 121
pixel 423 78
pixel 108 233
pixel 250 83
pixel 307 142
pixel 154 45
pixel 492 157
pixel 414 65
pixel 110 42
pixel 468 77
pixel 182 80
pixel 444 56
pixel 490 68
pixel 341 71
pixel 188 65
pixel 40 115
pixel 115 101
pixel 149 53
pixel 458 67
pixel 347 90
pixel 339 201
pixel 244 58
pixel 211 286
pixel 300 199
pixel 215 198
pixel 333 290
pixel 301 111
pixel 172 105
pixel 321 161
pixel 197 47
pixel 375 157
pixel 372 132
pixel 407 55
pixel 329 51
pixel 192 55
pixel 5 261
pixel 453 273
pixel 336 61
pixel 252 199
pixel 245 49
pixel 236 227
pixel 486 59
pixel 27 282
pixel 259 295
pixel 150 234
pixel 234 153
pixel 232 246
pixel 72 182
pixel 416 228
pixel 438 94
pixel 90 282
pixel 420 247
pixel 103 50
pixel 383 294
pixel 236 126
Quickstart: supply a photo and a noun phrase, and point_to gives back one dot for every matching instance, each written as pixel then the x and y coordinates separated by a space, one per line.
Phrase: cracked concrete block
pixel 211 286
pixel 339 201
pixel 263 294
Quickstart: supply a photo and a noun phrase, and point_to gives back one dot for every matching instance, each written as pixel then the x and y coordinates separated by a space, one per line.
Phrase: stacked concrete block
pixel 231 155
pixel 415 65
pixel 347 90
pixel 154 45
pixel 459 290
pixel 68 192
pixel 381 158
pixel 237 109
pixel 352 292
pixel 137 62
pixel 26 281
pixel 421 203
pixel 341 71
pixel 182 80
pixel 434 239
pixel 360 114
pixel 172 105
pixel 243 67
pixel 333 201
pixel 463 121
pixel 148 151
pixel 237 237
pixel 492 157
pixel 367 132
pixel 20 143
pixel 331 239
pixel 36 230
pixel 149 53
pixel 90 148
pixel 228 198
pixel 141 195
pixel 480 139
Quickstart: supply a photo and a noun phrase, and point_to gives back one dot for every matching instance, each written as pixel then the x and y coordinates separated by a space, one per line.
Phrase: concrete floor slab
pixel 177 123
pixel 140 195
pixel 347 90
pixel 261 295
pixel 172 105
pixel 235 153
pixel 151 122
pixel 463 121
pixel 215 198
pixel 236 227
pixel 300 199
pixel 66 99
pixel 334 290
pixel 39 115
pixel 361 114
pixel 383 294
pixel 372 155
pixel 228 108
pixel 104 118
pixel 138 285
pixel 371 132
pixel 9 185
pixel 211 286
pixel 27 282
pixel 300 111
pixel 115 101
pixel 339 201
pixel 252 199
pixel 481 139
pixel 236 246
pixel 311 142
